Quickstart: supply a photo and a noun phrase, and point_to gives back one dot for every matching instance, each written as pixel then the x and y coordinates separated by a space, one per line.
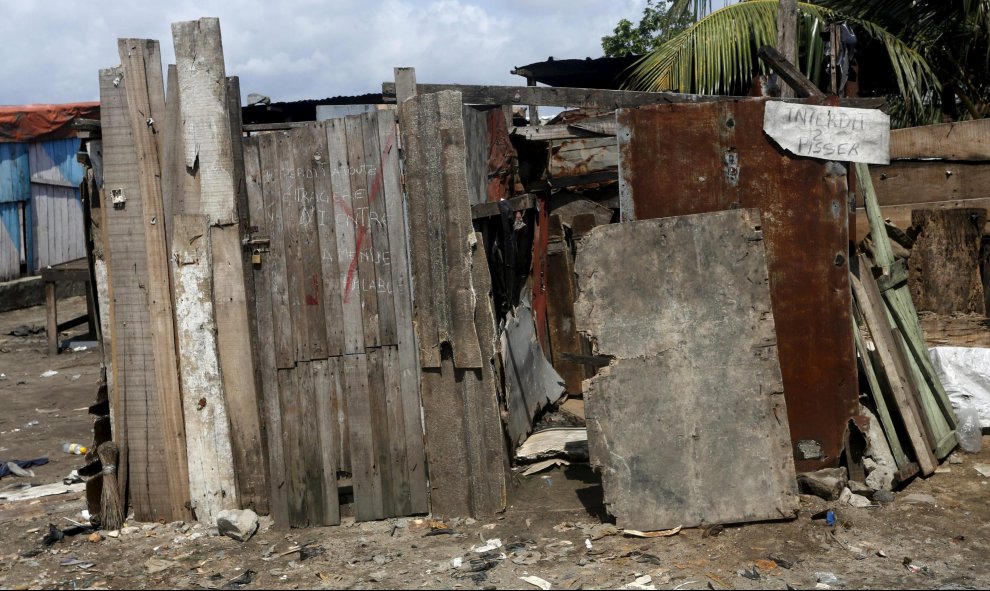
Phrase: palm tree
pixel 938 50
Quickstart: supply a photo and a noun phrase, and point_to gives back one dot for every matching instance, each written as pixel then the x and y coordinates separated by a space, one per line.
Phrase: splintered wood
pixel 688 423
pixel 340 380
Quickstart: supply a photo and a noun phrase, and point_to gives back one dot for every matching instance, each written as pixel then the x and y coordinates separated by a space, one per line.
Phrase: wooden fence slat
pixel 380 429
pixel 398 230
pixel 343 214
pixel 399 491
pixel 306 436
pixel 291 409
pixel 146 101
pixel 327 385
pixel 271 413
pixel 962 140
pixel 212 483
pixel 327 247
pixel 363 249
pixel 368 502
pixel 377 227
pixel 292 245
pixel 271 174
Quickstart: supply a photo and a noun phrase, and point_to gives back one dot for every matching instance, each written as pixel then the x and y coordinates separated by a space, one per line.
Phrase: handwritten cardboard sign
pixel 829 133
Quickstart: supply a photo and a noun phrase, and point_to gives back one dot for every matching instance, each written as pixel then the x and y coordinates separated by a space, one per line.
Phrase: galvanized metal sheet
pixel 697 158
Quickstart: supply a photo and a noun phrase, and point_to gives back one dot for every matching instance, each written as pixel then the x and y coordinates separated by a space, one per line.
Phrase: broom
pixel 111 508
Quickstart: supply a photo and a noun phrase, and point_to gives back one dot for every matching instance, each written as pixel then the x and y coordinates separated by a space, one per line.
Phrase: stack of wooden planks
pixel 910 401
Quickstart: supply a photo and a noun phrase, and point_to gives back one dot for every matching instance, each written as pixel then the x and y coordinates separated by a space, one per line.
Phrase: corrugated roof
pixel 29 123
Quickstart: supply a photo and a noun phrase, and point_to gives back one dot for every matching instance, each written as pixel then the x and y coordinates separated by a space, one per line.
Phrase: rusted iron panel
pixel 697 158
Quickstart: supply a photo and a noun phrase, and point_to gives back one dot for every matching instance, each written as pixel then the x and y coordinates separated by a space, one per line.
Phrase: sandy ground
pixel 547 532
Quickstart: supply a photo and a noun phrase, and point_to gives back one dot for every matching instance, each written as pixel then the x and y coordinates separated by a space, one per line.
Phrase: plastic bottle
pixel 968 429
pixel 74 448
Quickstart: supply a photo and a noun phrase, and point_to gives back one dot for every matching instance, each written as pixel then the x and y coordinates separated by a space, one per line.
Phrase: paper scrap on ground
pixel 829 133
pixel 664 533
pixel 537 582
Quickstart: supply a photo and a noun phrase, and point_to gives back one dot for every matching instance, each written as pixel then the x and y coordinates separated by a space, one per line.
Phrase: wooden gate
pixel 337 352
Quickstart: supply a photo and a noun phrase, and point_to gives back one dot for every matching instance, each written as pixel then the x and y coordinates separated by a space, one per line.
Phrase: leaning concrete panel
pixel 688 423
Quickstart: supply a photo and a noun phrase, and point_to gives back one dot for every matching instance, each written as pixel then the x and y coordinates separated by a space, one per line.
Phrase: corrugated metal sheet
pixel 10 241
pixel 697 158
pixel 14 175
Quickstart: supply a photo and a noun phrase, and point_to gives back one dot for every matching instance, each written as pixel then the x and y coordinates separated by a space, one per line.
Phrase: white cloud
pixel 299 49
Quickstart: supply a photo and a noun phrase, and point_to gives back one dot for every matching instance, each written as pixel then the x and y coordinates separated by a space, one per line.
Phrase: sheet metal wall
pixel 55 201
pixel 687 159
pixel 15 189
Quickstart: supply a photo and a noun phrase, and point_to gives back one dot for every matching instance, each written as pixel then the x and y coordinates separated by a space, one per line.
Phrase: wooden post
pixel 145 91
pixel 787 37
pixel 534 112
pixel 51 317
pixel 210 160
pixel 405 84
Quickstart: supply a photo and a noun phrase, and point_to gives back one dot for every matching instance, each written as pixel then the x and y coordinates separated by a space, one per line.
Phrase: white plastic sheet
pixel 965 375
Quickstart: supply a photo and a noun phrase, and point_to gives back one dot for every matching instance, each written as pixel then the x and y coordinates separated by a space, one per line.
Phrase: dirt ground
pixel 547 531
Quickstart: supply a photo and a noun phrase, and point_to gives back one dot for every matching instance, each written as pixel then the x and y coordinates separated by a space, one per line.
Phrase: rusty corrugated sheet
pixel 579 157
pixel 696 158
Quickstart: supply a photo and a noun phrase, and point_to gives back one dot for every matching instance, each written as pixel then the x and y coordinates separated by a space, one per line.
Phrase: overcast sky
pixel 295 49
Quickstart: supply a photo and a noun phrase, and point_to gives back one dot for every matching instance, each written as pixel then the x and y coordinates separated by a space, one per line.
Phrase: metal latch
pixel 257 244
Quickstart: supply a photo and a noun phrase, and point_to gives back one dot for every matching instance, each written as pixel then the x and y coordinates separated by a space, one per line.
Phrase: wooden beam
pixel 962 140
pixel 519 203
pixel 589 97
pixel 912 182
pixel 258 127
pixel 790 74
pixel 210 161
pixel 145 90
pixel 787 44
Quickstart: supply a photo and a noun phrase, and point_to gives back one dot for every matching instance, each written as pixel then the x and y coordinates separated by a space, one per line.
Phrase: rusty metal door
pixel 696 158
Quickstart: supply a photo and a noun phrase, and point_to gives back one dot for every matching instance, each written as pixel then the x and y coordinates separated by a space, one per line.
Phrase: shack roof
pixel 602 72
pixel 29 123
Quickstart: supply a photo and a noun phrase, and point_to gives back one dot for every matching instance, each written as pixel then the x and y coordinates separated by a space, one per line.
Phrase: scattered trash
pixel 72 561
pixel 157 565
pixel 94 537
pixel 488 546
pixel 955 458
pixel 643 558
pixel 309 551
pixel 537 582
pixel 664 533
pixel 983 469
pixel 751 574
pixel 826 483
pixel 785 564
pixel 712 531
pixel 917 568
pixel 527 558
pixel 16 470
pixel 33 423
pixel 968 429
pixel 74 449
pixel 919 498
pixel 24 330
pixel 641 582
pixel 49 373
pixel 73 478
pixel 237 524
pixel 766 565
pixel 80 348
pixel 244 578
pixel 545 465
pixel 602 530
pixel 54 535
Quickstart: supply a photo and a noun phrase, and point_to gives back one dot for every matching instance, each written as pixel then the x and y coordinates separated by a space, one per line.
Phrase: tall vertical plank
pixel 308 156
pixel 377 227
pixel 346 229
pixel 447 453
pixel 326 246
pixel 212 483
pixel 368 500
pixel 292 416
pixel 271 185
pixel 395 436
pixel 205 123
pixel 379 428
pixel 271 413
pixel 327 384
pixel 173 164
pixel 144 101
pixel 292 237
pixel 363 251
pixel 209 158
pixel 398 231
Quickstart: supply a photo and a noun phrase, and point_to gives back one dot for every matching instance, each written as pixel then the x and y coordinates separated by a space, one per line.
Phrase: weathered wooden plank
pixel 446 445
pixel 414 470
pixel 972 330
pixel 206 125
pixel 405 83
pixel 518 203
pixel 173 155
pixel 378 426
pixel 270 410
pixel 458 232
pixel 561 294
pixel 418 131
pixel 789 73
pixel 399 493
pixel 944 270
pixel 368 500
pixel 346 235
pixel 327 388
pixel 272 172
pixel 146 100
pixel 363 280
pixel 588 97
pixel 579 157
pixel 377 227
pixel 872 306
pixel 912 182
pixel 647 299
pixel 962 140
pixel 290 402
pixel 327 244
pixel 292 237
pixel 308 156
pixel 212 483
